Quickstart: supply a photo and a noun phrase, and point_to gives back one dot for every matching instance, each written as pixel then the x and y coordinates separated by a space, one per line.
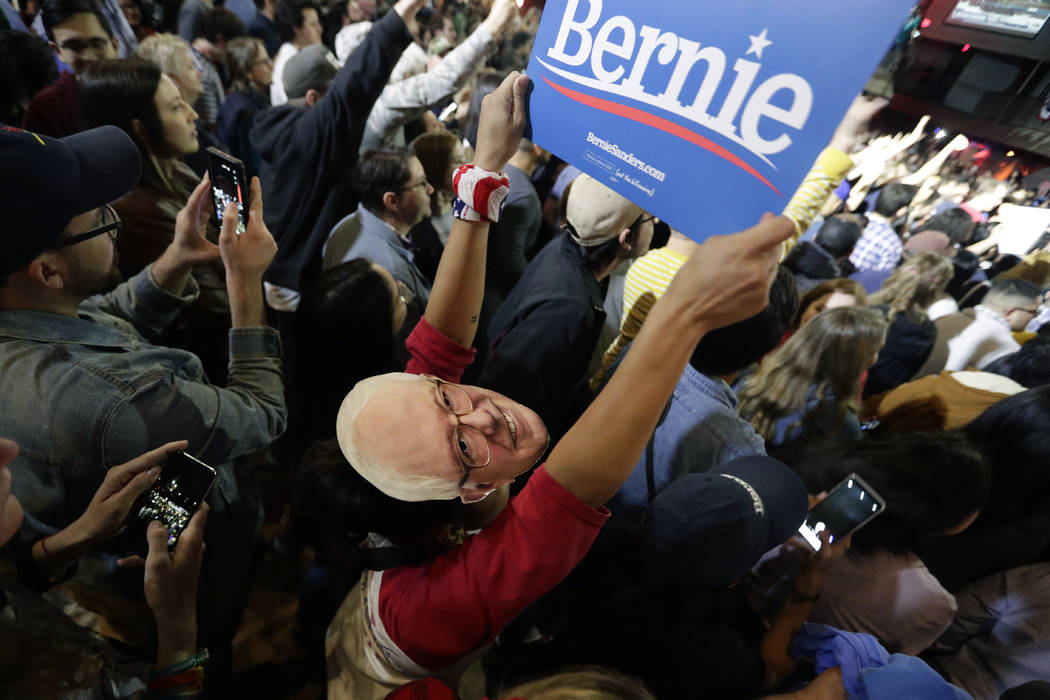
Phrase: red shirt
pixel 440 611
pixel 55 110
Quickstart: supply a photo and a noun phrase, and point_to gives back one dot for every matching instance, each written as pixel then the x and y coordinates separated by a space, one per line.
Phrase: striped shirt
pixel 650 276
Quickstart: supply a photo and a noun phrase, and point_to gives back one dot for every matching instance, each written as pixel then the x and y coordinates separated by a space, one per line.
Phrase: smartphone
pixel 848 507
pixel 229 183
pixel 183 485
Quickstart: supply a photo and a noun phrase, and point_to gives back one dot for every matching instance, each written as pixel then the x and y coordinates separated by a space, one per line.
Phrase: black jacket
pixel 309 153
pixel 908 343
pixel 544 334
pixel 811 265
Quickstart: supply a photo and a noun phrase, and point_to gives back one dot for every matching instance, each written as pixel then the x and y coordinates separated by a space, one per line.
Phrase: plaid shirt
pixel 879 248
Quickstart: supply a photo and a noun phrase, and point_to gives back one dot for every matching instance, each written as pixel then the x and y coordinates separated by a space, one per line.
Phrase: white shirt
pixel 284 54
pixel 985 340
pixel 942 307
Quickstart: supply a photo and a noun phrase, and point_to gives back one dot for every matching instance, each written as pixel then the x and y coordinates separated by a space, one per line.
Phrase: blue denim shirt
pixel 702 430
pixel 80 395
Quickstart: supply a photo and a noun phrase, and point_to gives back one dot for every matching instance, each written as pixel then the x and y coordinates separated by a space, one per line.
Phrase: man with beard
pixel 83 389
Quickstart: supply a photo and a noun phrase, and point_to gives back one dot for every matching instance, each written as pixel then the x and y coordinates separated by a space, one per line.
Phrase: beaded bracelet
pixel 198 659
pixel 479 193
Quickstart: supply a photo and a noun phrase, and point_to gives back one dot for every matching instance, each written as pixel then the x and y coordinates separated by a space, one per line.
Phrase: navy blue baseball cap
pixel 707 530
pixel 45 182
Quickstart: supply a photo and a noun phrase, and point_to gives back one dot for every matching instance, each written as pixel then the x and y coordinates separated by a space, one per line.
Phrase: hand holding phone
pixel 229 185
pixel 177 494
pixel 848 507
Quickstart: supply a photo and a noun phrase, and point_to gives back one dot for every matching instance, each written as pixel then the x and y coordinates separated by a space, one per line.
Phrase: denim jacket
pixel 80 395
pixel 701 431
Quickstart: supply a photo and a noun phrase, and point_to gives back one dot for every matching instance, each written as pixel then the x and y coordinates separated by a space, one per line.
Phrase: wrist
pixel 487 162
pixel 176 639
pixel 243 284
pixel 807 587
pixel 67 544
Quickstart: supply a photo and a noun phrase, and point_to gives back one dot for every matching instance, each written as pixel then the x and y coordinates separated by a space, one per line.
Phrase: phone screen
pixel 228 184
pixel 183 485
pixel 850 505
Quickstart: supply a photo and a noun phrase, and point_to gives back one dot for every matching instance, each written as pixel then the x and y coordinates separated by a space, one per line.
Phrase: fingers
pixel 255 207
pixel 157 560
pixel 769 233
pixel 199 196
pixel 142 471
pixel 125 472
pixel 125 497
pixel 229 223
pixel 190 547
pixel 8 451
pixel 132 562
pixel 520 87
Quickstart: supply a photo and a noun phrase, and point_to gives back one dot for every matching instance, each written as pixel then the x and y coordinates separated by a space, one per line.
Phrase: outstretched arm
pixel 459 286
pixel 726 280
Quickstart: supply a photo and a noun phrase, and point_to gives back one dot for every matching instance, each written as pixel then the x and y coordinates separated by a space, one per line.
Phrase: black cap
pixel 707 530
pixel 45 182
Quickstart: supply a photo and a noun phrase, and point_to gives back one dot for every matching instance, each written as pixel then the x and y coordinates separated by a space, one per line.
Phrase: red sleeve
pixel 435 353
pixel 442 610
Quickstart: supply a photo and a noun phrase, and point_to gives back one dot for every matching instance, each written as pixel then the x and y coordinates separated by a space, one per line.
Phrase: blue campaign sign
pixel 704 113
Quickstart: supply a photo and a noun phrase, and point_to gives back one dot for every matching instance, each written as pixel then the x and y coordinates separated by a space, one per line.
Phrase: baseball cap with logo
pixel 596 214
pixel 707 530
pixel 313 68
pixel 45 182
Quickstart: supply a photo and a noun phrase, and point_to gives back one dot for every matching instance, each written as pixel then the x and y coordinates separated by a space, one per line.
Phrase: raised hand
pixel 502 123
pixel 190 245
pixel 106 514
pixel 247 255
pixel 728 278
pixel 171 586
pixel 501 16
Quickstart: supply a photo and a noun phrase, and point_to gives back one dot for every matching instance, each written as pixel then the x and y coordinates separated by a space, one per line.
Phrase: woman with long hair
pixel 913 286
pixel 903 299
pixel 136 96
pixel 807 388
pixel 440 153
pixel 251 73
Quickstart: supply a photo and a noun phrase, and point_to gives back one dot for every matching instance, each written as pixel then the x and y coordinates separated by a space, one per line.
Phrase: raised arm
pixel 459 286
pixel 726 280
pixel 408 99
pixel 343 111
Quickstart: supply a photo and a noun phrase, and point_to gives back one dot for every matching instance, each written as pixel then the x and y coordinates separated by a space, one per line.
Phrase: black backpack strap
pixel 650 475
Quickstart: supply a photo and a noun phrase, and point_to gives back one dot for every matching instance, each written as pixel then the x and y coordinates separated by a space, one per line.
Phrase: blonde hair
pixel 164 51
pixel 583 683
pixel 917 283
pixel 830 352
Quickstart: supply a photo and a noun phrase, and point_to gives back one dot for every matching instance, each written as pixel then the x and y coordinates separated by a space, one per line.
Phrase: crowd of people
pixel 529 440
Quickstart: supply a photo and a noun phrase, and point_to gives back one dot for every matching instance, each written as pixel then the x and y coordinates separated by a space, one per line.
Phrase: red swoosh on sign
pixel 662 124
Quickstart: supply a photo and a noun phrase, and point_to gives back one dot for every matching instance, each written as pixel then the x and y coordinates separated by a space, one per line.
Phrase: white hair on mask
pixel 392 479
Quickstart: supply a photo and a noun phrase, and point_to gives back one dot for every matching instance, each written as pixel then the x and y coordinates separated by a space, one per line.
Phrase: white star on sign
pixel 758 43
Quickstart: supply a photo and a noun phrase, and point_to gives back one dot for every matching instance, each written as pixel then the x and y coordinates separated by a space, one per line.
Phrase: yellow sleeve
pixel 647 280
pixel 821 180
